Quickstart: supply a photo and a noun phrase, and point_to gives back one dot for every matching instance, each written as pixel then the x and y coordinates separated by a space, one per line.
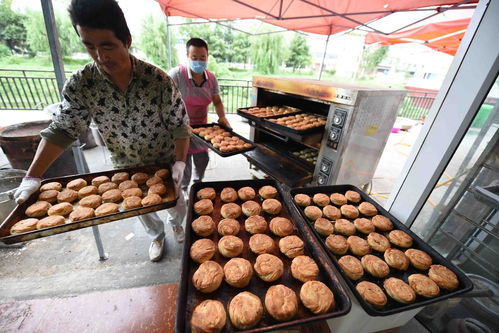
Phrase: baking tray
pixel 242 113
pixel 287 149
pixel 280 127
pixel 392 306
pixel 189 297
pixel 201 140
pixel 18 213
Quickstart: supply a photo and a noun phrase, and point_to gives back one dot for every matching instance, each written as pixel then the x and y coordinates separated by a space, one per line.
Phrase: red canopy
pixel 324 17
pixel 440 36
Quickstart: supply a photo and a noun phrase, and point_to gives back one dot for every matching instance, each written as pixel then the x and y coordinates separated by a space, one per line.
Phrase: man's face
pixel 197 53
pixel 106 49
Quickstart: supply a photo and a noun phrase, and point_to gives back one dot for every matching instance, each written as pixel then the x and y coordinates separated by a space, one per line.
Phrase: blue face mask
pixel 198 66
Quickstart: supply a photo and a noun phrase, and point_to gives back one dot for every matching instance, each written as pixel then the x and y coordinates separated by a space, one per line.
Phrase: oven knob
pixel 324 168
pixel 337 120
pixel 333 136
pixel 321 180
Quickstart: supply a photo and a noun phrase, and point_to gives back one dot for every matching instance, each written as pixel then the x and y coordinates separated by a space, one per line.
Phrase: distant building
pixel 415 66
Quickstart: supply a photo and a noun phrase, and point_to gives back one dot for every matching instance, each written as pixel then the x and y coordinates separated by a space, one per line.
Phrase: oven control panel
pixel 325 169
pixel 336 128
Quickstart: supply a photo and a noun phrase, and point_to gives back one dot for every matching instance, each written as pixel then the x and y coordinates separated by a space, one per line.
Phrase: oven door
pixel 278 166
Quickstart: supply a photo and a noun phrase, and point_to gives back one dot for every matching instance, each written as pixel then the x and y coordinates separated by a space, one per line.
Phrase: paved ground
pixel 68 264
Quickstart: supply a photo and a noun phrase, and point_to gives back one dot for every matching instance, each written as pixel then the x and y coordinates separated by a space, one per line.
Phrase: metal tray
pixel 278 166
pixel 244 114
pixel 288 149
pixel 189 297
pixel 18 213
pixel 201 140
pixel 281 128
pixel 391 306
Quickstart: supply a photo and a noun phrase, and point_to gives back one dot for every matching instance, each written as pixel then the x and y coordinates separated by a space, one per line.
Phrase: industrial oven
pixel 346 150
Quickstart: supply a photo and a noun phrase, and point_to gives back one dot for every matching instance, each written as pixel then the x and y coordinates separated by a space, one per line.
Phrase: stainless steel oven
pixel 344 151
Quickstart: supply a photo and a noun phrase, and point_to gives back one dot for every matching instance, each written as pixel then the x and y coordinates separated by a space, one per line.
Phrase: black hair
pixel 100 14
pixel 196 42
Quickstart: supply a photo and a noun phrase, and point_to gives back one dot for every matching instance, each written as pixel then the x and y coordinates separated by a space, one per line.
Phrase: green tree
pixel 12 29
pixel 152 41
pixel 218 38
pixel 227 35
pixel 241 47
pixel 267 53
pixel 37 34
pixel 372 58
pixel 299 53
pixel 4 51
pixel 220 70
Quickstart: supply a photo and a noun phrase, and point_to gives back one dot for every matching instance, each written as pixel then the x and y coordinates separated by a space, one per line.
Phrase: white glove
pixel 178 173
pixel 28 186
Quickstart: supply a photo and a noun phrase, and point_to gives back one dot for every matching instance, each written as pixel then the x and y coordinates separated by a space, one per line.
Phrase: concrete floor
pixel 67 264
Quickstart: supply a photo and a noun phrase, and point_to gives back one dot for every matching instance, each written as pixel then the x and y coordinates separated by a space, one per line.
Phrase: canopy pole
pixel 324 56
pixel 168 44
pixel 55 47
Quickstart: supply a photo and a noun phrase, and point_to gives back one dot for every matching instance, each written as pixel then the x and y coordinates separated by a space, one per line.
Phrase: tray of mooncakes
pixel 78 201
pixel 387 266
pixel 222 140
pixel 249 265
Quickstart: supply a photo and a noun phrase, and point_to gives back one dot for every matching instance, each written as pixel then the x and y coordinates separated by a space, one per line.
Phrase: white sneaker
pixel 157 249
pixel 178 233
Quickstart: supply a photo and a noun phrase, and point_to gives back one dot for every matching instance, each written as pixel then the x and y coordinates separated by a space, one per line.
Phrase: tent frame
pixel 464 4
pixel 436 10
pixel 59 66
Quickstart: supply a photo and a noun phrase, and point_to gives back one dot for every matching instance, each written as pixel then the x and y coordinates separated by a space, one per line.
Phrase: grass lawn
pixel 237 73
pixel 40 89
pixel 40 62
pixel 43 62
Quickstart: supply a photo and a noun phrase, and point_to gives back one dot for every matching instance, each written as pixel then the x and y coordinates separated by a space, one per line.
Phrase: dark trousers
pixel 200 162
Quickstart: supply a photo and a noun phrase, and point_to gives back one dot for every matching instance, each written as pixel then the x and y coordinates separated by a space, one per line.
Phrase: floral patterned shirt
pixel 139 126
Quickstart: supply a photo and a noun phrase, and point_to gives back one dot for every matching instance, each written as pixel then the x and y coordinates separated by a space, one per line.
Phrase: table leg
pixel 98 242
pixel 82 168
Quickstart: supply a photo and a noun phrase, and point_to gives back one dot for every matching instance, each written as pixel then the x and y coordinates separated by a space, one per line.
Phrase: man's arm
pixel 65 128
pixel 46 153
pixel 219 109
pixel 181 147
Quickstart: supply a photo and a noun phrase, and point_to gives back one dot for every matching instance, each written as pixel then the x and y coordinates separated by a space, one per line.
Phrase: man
pixel 199 88
pixel 136 106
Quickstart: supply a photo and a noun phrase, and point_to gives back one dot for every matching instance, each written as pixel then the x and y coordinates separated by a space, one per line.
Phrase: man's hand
pixel 178 173
pixel 28 186
pixel 223 121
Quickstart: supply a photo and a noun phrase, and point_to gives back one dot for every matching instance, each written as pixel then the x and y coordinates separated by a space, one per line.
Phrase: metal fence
pixel 35 89
pixel 416 104
pixel 234 94
pixel 27 89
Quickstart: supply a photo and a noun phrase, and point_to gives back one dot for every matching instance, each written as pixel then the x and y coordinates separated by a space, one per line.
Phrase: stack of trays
pixel 233 263
pixel 387 266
